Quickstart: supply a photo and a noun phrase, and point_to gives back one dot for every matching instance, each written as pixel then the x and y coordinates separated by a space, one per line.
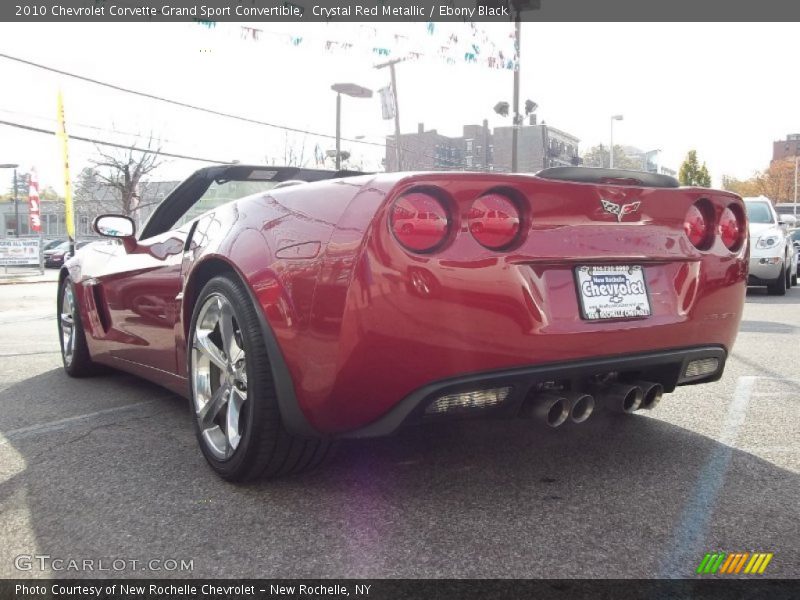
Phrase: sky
pixel 726 90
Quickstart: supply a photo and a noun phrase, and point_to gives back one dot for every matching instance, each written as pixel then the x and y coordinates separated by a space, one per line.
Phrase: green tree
pixel 692 174
pixel 597 156
pixel 22 185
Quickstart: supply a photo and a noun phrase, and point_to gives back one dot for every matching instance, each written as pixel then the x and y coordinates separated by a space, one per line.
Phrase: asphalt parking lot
pixel 108 469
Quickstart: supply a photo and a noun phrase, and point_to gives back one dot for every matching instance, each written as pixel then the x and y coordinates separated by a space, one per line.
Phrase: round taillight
pixel 730 229
pixel 697 226
pixel 494 221
pixel 419 221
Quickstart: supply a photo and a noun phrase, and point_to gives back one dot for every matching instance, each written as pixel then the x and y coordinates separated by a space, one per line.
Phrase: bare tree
pixel 122 171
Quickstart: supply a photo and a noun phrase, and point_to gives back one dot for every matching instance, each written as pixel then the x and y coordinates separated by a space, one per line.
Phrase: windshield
pixel 759 212
pixel 221 193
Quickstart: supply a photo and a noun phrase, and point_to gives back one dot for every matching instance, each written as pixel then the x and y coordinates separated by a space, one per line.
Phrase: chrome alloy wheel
pixel 67 324
pixel 219 377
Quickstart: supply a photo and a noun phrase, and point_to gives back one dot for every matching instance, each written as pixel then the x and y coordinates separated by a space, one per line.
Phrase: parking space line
pixel 691 530
pixel 31 430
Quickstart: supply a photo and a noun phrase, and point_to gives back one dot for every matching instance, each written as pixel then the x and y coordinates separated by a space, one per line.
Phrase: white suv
pixel 771 249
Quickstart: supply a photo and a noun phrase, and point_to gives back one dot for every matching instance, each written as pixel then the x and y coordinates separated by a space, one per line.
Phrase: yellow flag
pixel 62 134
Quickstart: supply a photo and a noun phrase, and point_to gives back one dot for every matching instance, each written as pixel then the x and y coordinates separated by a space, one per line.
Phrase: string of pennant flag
pixel 451 43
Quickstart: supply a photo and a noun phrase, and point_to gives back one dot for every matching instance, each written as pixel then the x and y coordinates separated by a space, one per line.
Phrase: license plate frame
pixel 612 292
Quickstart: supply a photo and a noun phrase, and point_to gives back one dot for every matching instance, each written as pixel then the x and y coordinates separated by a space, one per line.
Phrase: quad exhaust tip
pixel 554 409
pixel 623 398
pixel 651 394
pixel 549 408
pixel 581 406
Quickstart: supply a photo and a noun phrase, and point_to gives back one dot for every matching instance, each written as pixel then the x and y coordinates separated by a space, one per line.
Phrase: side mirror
pixel 117 226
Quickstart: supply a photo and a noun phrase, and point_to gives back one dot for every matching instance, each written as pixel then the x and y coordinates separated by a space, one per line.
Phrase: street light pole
pixel 349 89
pixel 611 148
pixel 16 206
pixel 796 157
pixel 16 202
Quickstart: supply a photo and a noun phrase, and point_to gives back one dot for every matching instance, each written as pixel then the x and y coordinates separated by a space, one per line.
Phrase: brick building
pixel 786 149
pixel 480 149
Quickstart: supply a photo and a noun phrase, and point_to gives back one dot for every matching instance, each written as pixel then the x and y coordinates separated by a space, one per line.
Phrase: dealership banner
pixel 34 216
pixel 397 589
pixel 387 10
pixel 19 251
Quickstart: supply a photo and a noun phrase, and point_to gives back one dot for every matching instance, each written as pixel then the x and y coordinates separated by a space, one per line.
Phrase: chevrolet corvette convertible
pixel 294 307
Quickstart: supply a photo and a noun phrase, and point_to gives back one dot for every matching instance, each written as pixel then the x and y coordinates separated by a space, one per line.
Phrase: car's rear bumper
pixel 666 367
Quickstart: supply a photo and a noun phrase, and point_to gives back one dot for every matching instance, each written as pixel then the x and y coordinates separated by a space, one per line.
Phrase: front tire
pixel 237 420
pixel 71 335
pixel 779 287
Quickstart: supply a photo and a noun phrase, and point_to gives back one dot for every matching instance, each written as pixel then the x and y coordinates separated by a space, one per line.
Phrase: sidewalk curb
pixel 25 282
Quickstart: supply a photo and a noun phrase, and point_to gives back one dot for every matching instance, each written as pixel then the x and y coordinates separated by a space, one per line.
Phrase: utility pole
pixel 516 121
pixel 338 131
pixel 397 152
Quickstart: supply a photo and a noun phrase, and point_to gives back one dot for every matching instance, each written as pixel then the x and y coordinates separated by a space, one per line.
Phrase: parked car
pixel 772 254
pixel 354 304
pixel 50 244
pixel 794 234
pixel 57 256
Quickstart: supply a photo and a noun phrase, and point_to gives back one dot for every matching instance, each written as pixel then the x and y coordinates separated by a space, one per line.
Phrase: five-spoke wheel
pixel 219 376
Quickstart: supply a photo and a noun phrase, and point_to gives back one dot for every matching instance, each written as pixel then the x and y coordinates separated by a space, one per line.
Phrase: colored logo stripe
pixel 733 563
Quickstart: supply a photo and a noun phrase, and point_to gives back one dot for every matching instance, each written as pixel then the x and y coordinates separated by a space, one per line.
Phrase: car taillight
pixel 419 221
pixel 731 229
pixel 494 221
pixel 697 226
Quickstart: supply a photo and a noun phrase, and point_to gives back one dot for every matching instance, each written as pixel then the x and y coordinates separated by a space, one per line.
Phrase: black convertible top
pixel 237 172
pixel 612 176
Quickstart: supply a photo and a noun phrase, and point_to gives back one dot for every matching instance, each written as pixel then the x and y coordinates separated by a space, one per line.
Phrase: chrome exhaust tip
pixel 651 394
pixel 552 409
pixel 623 398
pixel 581 406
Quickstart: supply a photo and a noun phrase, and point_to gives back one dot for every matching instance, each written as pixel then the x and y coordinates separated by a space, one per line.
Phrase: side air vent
pixel 609 176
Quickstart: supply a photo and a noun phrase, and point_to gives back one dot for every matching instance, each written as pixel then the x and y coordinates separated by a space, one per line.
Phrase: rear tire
pixel 794 280
pixel 237 419
pixel 71 335
pixel 779 287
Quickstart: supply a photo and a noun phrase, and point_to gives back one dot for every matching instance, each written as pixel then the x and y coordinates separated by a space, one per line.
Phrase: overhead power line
pixel 219 113
pixel 211 111
pixel 114 145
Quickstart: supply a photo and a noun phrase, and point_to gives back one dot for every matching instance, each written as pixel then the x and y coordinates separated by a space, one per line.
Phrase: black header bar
pixel 299 11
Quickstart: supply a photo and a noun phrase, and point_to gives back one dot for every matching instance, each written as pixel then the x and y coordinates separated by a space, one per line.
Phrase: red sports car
pixel 295 306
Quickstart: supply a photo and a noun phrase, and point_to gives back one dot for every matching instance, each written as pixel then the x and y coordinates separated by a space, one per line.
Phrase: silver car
pixel 772 255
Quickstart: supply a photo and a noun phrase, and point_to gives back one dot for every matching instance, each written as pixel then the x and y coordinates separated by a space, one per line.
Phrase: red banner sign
pixel 33 203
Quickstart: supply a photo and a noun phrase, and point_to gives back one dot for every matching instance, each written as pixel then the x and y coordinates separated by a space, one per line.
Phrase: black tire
pixel 779 287
pixel 78 363
pixel 265 449
pixel 794 280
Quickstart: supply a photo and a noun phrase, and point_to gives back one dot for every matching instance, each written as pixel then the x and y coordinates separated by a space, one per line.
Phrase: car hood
pixel 757 230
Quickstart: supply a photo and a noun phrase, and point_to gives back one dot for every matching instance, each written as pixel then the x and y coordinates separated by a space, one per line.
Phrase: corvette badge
pixel 620 210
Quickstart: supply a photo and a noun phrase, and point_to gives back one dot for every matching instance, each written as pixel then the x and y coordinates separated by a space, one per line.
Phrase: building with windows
pixel 480 149
pixel 786 149
pixel 101 199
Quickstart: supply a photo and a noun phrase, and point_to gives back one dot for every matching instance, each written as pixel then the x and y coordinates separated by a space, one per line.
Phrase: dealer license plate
pixel 612 292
